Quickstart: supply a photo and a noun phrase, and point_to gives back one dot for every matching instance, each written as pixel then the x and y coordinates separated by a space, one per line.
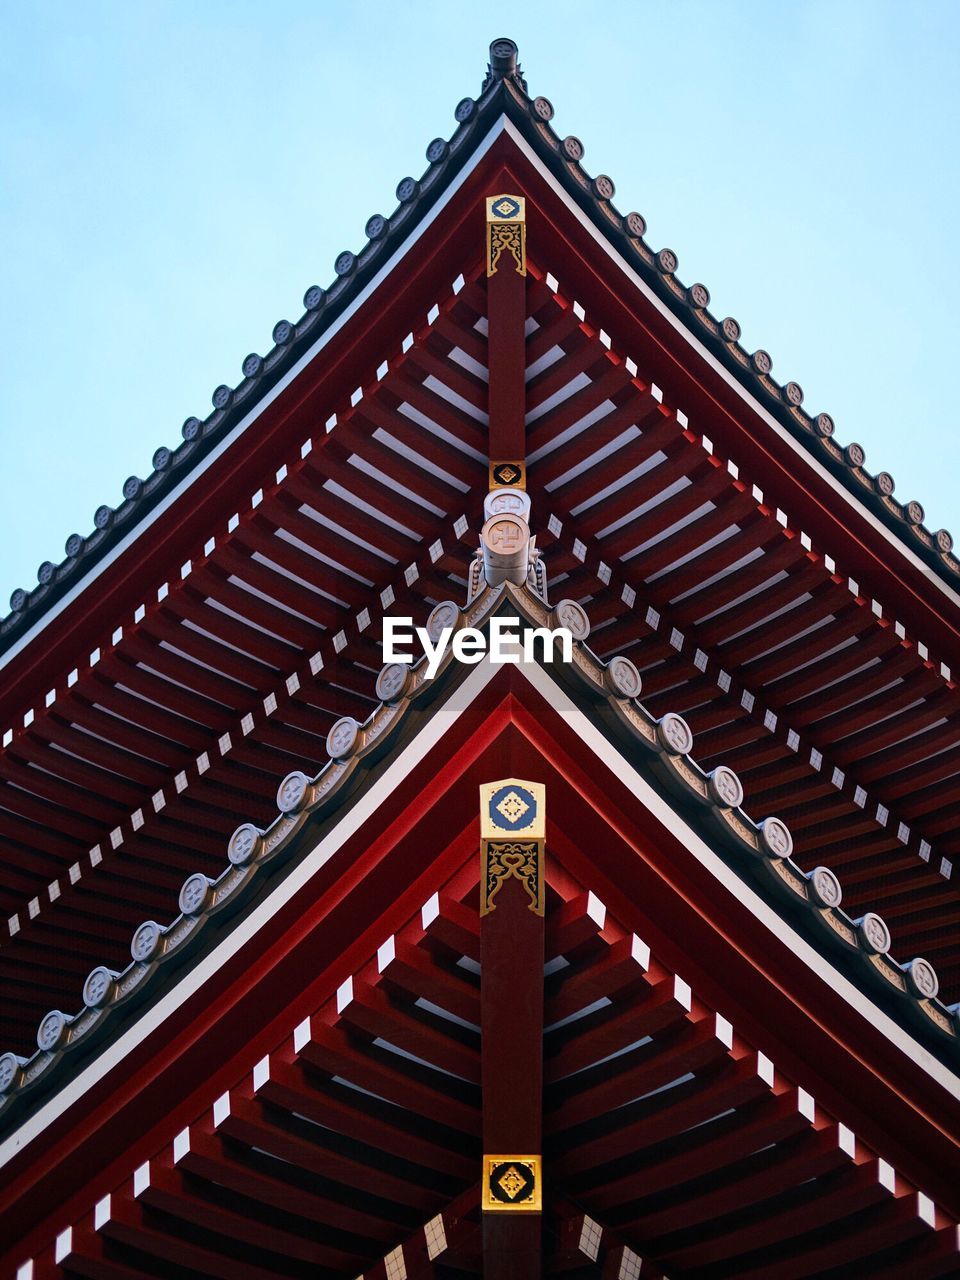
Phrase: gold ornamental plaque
pixel 513 828
pixel 507 475
pixel 507 232
pixel 511 1184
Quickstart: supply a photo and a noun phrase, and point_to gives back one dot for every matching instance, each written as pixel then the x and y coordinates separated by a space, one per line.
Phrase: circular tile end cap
pixel 52 1031
pixel 922 978
pixel 393 681
pixel 344 739
pixel 194 894
pixel 775 838
pixel 146 941
pixel 825 889
pixel 573 616
pixel 622 678
pixel 444 615
pixel 675 735
pixel 98 987
pixel 10 1072
pixel 725 787
pixel 292 792
pixel 873 934
pixel 244 845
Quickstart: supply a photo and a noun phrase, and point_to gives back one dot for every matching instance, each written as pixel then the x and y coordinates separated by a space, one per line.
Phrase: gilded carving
pixel 521 859
pixel 512 827
pixel 892 975
pixel 507 238
pixel 506 232
pixel 941 1019
pixel 511 1184
pixel 838 925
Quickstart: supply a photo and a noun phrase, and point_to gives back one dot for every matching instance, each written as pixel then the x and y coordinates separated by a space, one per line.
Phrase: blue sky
pixel 173 176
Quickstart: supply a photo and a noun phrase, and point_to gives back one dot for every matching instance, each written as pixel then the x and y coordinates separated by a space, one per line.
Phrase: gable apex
pixel 503 97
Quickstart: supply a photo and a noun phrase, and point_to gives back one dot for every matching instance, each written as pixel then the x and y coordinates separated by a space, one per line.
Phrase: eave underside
pixel 675 1131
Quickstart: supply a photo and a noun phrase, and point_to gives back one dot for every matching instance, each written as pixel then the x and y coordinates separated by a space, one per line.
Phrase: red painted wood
pixel 511 1005
pixel 506 314
pixel 511 1018
pixel 512 1246
pixel 585 272
pixel 225 1164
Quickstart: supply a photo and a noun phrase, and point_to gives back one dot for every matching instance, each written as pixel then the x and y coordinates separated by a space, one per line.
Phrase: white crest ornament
pixel 244 844
pixel 146 942
pixel 444 614
pixel 98 987
pixel 505 540
pixel 51 1031
pixel 343 738
pixel 874 934
pixel 725 787
pixel 622 678
pixel 392 681
pixel 674 734
pixel 512 502
pixel 923 978
pixel 291 792
pixel 775 838
pixel 194 893
pixel 826 887
pixel 573 616
pixel 9 1071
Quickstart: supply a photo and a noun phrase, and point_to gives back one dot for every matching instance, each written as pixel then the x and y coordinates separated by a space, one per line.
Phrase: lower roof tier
pixel 686 1126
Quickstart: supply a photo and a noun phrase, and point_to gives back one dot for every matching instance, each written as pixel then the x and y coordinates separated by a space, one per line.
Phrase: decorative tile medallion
pixel 511 1184
pixel 508 475
pixel 512 829
pixel 512 808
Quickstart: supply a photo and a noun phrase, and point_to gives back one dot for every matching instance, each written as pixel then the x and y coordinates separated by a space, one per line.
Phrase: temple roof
pixel 503 95
pixel 231 655
pixel 751 760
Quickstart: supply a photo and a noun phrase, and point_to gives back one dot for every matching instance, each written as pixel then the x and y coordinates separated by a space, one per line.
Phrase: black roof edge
pixel 504 90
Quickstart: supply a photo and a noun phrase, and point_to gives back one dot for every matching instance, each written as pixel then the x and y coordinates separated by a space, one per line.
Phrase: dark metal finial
pixel 503 57
pixel 503 64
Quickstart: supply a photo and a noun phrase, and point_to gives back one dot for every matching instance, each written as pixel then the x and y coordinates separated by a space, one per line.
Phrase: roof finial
pixel 503 57
pixel 503 64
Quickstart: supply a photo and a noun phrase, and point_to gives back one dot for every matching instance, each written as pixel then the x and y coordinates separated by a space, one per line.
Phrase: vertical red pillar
pixel 506 318
pixel 512 818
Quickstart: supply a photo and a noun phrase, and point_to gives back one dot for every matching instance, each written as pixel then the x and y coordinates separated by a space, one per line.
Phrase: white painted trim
pixel 256 410
pixel 431 733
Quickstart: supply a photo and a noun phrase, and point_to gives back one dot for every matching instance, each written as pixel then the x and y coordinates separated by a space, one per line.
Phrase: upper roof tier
pixel 232 622
pixel 503 95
